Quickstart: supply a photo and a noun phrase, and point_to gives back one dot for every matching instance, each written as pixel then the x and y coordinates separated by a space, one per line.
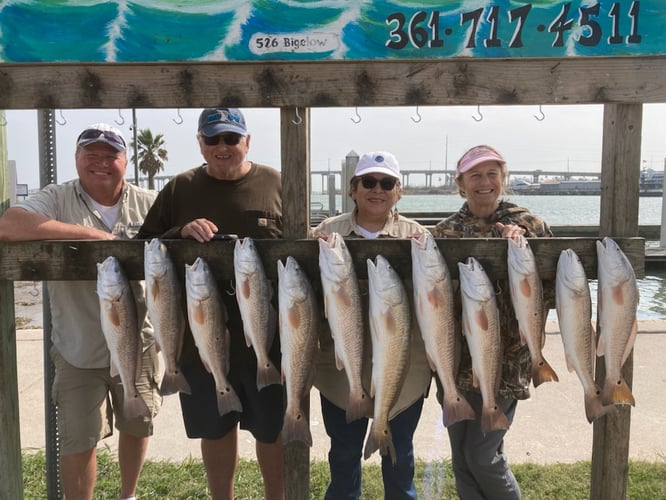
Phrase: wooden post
pixel 620 172
pixel 295 130
pixel 11 485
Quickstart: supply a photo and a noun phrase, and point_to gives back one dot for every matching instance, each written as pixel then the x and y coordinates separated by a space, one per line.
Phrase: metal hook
pixel 418 115
pixel 122 118
pixel 480 117
pixel 180 118
pixel 64 121
pixel 35 291
pixel 298 119
pixel 542 117
pixel 357 118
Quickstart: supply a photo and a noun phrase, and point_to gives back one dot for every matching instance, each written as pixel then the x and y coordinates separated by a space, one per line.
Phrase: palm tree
pixel 151 154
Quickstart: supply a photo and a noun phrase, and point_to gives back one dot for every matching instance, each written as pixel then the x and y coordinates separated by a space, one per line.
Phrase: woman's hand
pixel 199 229
pixel 509 230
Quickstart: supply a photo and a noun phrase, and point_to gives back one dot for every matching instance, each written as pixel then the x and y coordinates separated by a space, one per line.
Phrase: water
pixel 559 210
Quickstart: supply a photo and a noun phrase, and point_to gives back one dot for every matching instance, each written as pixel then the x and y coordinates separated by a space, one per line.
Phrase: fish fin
pixel 227 400
pixel 244 289
pixel 594 408
pixel 155 290
pixel 570 365
pixel 436 298
pixel 543 372
pixel 248 342
pixel 343 297
pixel 338 362
pixel 382 440
pixel 617 295
pixel 359 405
pixel 197 313
pixel 293 317
pixel 525 288
pixel 617 392
pixel 493 419
pixel 433 368
pixel 456 409
pixel 482 319
pixel 114 314
pixel 134 406
pixel 630 342
pixel 174 382
pixel 523 338
pixel 325 306
pixel 267 374
pixel 475 379
pixel 296 428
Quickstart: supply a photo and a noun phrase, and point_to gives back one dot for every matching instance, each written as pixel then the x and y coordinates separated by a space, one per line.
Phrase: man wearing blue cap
pixel 228 194
pixel 97 205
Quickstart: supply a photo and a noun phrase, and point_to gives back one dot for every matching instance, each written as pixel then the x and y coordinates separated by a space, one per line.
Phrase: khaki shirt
pixel 76 329
pixel 330 381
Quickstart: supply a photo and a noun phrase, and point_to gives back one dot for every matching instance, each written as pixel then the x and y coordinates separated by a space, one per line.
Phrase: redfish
pixel 617 302
pixel 527 299
pixel 344 311
pixel 435 313
pixel 120 326
pixel 299 337
pixel 207 317
pixel 390 328
pixel 481 327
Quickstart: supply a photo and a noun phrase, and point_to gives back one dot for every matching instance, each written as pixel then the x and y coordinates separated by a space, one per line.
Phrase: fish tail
pixel 456 409
pixel 380 439
pixel 493 419
pixel 296 428
pixel 360 405
pixel 174 382
pixel 594 408
pixel 134 406
pixel 617 392
pixel 267 375
pixel 227 400
pixel 543 372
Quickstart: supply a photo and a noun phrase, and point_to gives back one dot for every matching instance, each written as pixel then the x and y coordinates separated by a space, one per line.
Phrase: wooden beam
pixel 618 216
pixel 76 259
pixel 429 82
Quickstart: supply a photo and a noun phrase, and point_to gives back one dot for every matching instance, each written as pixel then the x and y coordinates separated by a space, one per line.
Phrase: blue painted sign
pixel 291 30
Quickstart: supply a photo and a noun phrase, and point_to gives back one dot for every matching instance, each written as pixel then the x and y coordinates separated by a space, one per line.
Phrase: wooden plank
pixel 618 216
pixel 427 82
pixel 11 485
pixel 295 131
pixel 68 260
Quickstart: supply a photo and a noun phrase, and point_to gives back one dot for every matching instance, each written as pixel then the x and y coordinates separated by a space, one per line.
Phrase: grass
pixel 186 480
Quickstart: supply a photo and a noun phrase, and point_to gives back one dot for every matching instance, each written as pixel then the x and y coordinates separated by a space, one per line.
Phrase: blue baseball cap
pixel 214 121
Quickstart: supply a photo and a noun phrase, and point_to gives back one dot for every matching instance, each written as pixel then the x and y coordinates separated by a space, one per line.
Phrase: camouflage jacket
pixel 516 363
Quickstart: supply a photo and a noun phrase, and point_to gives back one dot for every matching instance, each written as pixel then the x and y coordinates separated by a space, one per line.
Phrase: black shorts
pixel 263 410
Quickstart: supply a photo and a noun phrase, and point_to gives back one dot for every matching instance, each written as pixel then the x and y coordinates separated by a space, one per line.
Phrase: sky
pixel 568 137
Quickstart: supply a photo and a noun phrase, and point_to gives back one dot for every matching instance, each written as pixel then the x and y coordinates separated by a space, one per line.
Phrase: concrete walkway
pixel 549 427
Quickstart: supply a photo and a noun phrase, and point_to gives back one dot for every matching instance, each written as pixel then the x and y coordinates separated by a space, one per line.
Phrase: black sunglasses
pixel 92 134
pixel 230 139
pixel 387 183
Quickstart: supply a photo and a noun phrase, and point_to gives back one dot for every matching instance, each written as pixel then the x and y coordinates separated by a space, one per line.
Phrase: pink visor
pixel 476 156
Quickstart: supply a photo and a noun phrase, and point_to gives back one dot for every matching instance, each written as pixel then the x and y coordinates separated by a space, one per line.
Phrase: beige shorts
pixel 87 399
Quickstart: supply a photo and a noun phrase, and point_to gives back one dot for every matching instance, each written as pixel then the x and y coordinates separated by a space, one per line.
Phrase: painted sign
pixel 235 30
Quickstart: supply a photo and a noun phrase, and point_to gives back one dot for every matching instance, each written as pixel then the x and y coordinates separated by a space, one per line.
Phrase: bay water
pixel 556 210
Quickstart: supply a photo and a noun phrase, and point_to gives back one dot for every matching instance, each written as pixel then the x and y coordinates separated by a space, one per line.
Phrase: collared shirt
pixel 330 381
pixel 75 310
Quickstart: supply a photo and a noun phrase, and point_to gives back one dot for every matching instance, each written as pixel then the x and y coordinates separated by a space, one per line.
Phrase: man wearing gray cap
pixel 97 205
pixel 228 194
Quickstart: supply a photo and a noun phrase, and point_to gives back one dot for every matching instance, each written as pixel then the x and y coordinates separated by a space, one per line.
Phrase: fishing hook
pixel 35 291
pixel 122 118
pixel 418 115
pixel 541 117
pixel 480 117
pixel 64 121
pixel 298 119
pixel 180 118
pixel 357 117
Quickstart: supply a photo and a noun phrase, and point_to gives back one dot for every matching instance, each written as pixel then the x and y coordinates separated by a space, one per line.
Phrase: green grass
pixel 186 480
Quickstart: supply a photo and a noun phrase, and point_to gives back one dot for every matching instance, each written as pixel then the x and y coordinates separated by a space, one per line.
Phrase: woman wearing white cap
pixel 375 189
pixel 479 464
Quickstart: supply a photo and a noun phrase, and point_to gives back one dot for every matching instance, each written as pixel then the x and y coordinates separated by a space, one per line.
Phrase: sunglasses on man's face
pixel 111 137
pixel 230 139
pixel 387 183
